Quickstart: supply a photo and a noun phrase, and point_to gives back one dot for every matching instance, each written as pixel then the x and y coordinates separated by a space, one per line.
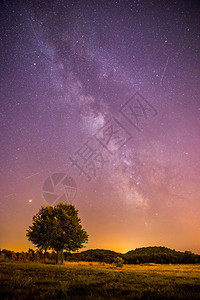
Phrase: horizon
pixel 85 249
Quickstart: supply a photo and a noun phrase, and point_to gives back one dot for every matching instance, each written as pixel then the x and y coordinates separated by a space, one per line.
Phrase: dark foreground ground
pixel 98 281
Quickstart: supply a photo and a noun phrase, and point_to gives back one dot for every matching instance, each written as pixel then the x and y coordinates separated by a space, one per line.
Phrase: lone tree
pixel 60 230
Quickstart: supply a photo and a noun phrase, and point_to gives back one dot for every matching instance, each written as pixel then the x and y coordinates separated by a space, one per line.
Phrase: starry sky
pixel 106 92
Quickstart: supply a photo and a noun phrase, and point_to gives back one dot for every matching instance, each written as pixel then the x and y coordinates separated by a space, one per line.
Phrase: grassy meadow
pixel 84 280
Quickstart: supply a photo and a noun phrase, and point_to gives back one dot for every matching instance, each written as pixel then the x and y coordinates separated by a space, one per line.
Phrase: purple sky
pixel 67 67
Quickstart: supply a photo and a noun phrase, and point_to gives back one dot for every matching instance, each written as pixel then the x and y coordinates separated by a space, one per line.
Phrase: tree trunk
pixel 57 253
pixel 45 253
pixel 62 257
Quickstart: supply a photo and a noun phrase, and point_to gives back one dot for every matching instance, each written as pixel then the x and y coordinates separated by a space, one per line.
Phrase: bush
pixel 118 261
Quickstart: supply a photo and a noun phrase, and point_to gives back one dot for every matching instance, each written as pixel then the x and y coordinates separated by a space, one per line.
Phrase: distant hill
pixel 160 255
pixel 155 254
pixel 99 255
pixel 154 250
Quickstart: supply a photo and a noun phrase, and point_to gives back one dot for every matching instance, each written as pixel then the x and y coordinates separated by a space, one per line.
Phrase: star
pixel 67 70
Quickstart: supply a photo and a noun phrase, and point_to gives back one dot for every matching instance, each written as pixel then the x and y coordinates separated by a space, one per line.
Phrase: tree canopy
pixel 40 232
pixel 58 228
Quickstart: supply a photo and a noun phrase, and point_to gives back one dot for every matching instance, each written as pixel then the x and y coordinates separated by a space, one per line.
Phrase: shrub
pixel 118 261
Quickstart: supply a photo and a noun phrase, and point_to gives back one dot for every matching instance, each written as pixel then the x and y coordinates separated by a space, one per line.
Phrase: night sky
pixel 104 94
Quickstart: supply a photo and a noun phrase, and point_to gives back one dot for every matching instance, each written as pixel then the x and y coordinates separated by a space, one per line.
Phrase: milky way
pixel 117 81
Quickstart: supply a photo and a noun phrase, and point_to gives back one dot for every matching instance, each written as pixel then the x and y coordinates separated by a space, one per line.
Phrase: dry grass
pixel 83 280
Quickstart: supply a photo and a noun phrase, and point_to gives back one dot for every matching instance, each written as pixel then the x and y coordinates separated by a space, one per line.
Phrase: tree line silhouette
pixel 158 255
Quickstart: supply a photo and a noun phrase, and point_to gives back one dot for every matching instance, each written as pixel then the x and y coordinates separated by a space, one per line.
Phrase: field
pixel 98 281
